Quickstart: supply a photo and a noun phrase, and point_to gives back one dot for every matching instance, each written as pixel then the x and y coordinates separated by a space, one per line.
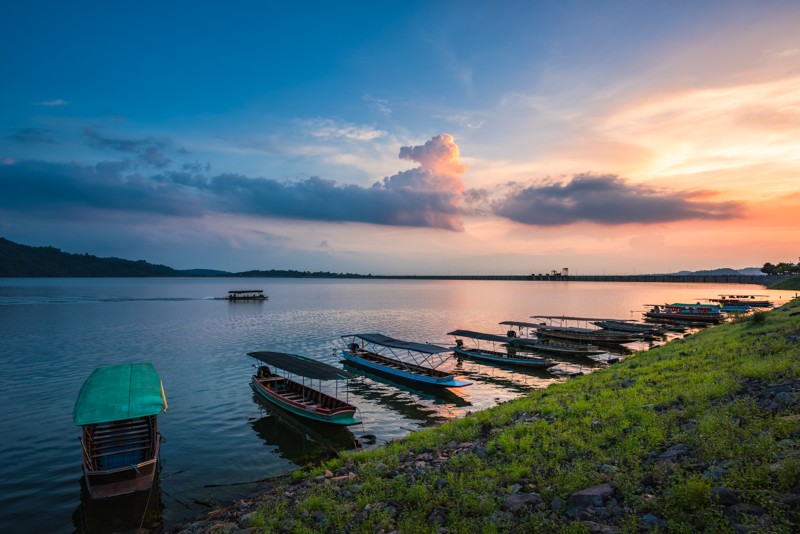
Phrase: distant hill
pixel 203 272
pixel 749 271
pixel 23 261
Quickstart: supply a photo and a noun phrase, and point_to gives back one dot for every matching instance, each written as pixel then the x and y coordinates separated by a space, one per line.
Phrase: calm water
pixel 219 440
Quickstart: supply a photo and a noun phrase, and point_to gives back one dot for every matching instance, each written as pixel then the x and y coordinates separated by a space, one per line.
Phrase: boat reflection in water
pixel 119 514
pixel 430 405
pixel 301 441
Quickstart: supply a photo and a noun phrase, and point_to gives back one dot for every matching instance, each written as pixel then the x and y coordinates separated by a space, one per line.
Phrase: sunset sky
pixel 430 137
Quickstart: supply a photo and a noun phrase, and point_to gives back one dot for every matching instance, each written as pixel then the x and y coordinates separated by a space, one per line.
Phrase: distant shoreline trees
pixel 781 268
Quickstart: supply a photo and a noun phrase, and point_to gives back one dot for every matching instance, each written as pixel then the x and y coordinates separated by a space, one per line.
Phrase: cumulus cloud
pixel 427 196
pixel 605 199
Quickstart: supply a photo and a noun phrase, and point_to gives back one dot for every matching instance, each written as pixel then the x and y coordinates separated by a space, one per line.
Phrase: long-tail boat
pixel 550 346
pixel 299 398
pixel 412 362
pixel 246 294
pixel 690 314
pixel 499 351
pixel 118 407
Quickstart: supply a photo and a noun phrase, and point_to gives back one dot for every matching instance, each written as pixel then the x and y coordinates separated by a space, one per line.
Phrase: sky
pixel 416 137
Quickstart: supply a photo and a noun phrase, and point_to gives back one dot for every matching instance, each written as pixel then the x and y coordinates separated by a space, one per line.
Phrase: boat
pixel 550 346
pixel 299 398
pixel 416 363
pixel 117 408
pixel 738 301
pixel 588 335
pixel 247 294
pixel 493 354
pixel 689 314
pixel 634 327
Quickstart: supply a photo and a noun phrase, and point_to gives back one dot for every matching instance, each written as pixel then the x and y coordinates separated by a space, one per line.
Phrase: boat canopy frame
pixel 421 354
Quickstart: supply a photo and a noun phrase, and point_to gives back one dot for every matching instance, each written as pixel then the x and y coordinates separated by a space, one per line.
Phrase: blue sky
pixel 414 137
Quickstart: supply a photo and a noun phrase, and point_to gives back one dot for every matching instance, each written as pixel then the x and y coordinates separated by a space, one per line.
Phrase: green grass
pixel 790 283
pixel 608 426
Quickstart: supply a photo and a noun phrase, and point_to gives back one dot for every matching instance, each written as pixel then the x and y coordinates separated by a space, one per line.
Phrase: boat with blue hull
pixel 499 350
pixel 415 363
pixel 299 398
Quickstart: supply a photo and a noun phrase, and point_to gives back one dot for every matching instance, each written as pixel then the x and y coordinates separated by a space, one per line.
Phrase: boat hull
pixel 344 416
pixel 597 339
pixel 120 458
pixel 482 356
pixel 446 381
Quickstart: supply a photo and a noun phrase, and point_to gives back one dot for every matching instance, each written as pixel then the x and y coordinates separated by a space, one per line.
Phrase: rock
pixel 441 483
pixel 244 520
pixel 593 496
pixel 515 488
pixel 598 528
pixel 724 496
pixel 516 501
pixel 480 451
pixel 676 451
pixel 740 512
pixel 558 504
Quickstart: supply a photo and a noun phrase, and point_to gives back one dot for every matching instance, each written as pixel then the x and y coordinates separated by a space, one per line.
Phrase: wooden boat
pixel 118 407
pixel 550 346
pixel 247 294
pixel 493 353
pixel 617 325
pixel 574 333
pixel 736 301
pixel 415 363
pixel 689 314
pixel 299 398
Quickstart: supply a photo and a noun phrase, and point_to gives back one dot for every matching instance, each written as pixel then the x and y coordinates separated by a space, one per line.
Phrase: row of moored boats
pixel 118 405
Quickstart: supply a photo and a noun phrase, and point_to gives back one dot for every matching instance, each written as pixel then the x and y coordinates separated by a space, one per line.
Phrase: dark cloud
pixel 62 190
pixel 605 199
pixel 427 196
pixel 32 136
pixel 148 150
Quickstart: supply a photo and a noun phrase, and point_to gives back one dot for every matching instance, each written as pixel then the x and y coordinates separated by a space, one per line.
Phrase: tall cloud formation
pixel 604 199
pixel 426 196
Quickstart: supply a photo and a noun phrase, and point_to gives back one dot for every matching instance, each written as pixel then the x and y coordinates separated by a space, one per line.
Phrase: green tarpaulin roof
pixel 119 392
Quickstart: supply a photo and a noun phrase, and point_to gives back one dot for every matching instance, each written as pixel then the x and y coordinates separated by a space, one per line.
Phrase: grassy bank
pixel 702 434
pixel 790 283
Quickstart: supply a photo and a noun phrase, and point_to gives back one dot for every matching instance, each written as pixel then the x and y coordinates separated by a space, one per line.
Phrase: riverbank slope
pixel 701 434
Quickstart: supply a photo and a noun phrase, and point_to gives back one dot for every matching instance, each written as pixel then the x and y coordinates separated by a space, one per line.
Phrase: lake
pixel 219 440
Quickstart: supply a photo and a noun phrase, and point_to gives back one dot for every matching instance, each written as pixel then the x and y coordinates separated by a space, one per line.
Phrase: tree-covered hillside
pixel 23 261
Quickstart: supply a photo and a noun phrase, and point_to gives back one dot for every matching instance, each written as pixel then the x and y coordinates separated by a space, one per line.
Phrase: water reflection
pixel 298 440
pixel 403 397
pixel 125 513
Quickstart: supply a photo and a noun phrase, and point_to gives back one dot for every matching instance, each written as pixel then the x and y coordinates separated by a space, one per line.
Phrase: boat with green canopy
pixel 117 408
pixel 297 397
